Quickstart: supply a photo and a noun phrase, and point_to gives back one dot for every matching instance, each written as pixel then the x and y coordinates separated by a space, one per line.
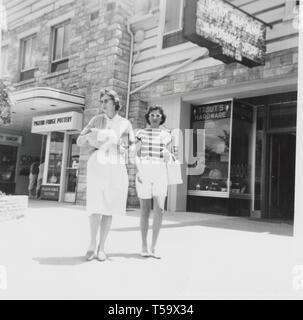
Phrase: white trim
pixel 60 19
pixel 211 194
pixel 63 167
pixel 46 164
pixel 28 33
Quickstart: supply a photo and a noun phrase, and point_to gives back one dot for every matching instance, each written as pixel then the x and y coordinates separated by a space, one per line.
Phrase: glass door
pixel 72 169
pixel 282 175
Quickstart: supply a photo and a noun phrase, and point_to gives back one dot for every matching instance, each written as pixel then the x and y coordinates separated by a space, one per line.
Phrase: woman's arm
pixel 83 138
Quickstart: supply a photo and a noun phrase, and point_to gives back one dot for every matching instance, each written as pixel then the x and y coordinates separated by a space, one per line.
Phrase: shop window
pixel 173 28
pixel 73 165
pixel 55 158
pixel 209 173
pixel 4 61
pixel 28 57
pixel 241 155
pixel 60 47
pixel 8 159
pixel 221 157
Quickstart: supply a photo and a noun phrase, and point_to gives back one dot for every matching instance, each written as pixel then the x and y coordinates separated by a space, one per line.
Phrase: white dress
pixel 107 178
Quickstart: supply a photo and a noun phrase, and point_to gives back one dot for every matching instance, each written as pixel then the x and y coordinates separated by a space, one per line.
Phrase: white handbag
pixel 174 174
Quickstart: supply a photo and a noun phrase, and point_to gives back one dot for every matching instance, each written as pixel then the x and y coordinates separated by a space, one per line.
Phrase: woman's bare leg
pixel 106 223
pixel 145 205
pixel 159 203
pixel 94 222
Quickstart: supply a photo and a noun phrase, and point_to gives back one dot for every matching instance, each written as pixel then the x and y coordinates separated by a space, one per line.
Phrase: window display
pixel 242 146
pixel 72 165
pixel 210 150
pixel 55 158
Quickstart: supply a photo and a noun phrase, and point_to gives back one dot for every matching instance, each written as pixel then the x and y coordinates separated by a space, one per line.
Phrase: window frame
pixel 180 19
pixel 178 33
pixel 53 61
pixel 22 60
pixel 22 70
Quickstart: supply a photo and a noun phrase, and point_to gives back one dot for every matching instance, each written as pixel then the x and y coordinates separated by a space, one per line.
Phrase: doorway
pixel 282 163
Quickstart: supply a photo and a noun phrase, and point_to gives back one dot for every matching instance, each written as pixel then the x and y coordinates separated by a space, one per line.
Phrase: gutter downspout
pixel 130 69
pixel 166 73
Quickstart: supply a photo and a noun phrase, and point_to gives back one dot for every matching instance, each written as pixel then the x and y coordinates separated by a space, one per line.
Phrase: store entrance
pixel 282 175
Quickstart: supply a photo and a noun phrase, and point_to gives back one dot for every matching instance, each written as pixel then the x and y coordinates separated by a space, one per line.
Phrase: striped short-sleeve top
pixel 154 143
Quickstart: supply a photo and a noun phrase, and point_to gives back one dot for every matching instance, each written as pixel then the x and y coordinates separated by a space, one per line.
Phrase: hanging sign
pixel 230 34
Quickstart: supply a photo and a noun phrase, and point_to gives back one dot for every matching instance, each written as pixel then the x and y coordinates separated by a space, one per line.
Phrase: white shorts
pixel 154 180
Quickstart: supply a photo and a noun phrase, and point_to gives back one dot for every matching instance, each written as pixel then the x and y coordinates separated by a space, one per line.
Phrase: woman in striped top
pixel 153 145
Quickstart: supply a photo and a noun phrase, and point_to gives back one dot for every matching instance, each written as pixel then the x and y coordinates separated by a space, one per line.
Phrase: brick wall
pixel 99 56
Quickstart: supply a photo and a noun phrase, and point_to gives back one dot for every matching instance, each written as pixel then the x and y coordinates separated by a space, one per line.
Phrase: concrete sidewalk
pixel 204 257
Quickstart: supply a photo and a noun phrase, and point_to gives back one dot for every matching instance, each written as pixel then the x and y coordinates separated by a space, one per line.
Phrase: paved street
pixel 204 257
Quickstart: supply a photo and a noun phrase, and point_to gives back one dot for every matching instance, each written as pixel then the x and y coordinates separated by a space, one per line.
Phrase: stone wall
pixel 99 56
pixel 13 207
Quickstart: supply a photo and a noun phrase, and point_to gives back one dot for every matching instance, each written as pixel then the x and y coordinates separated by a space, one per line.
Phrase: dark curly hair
pixel 155 108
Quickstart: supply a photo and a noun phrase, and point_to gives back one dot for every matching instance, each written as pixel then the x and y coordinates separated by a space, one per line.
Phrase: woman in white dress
pixel 109 136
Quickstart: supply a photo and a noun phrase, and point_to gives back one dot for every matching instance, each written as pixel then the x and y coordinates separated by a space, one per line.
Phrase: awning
pixel 38 101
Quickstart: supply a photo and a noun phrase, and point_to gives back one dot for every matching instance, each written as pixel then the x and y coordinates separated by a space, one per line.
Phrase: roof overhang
pixel 38 101
pixel 42 100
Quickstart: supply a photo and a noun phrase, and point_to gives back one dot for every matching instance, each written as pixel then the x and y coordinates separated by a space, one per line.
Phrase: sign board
pixel 10 139
pixel 212 111
pixel 50 192
pixel 69 121
pixel 230 34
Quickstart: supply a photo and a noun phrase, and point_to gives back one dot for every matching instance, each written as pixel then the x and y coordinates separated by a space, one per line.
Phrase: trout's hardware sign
pixel 213 111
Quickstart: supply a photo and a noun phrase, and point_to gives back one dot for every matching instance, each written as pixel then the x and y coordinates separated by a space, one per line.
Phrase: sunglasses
pixel 105 101
pixel 156 116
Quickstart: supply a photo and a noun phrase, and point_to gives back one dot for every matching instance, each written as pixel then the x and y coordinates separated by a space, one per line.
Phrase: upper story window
pixel 173 28
pixel 28 57
pixel 4 61
pixel 60 47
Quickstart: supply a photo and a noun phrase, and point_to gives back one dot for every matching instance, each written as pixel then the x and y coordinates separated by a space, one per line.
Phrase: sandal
pixel 90 256
pixel 101 256
pixel 155 255
pixel 145 254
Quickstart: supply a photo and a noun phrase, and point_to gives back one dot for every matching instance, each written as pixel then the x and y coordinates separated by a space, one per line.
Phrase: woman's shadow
pixel 76 261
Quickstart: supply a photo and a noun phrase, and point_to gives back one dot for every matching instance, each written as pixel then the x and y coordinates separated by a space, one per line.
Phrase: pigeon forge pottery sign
pixel 230 34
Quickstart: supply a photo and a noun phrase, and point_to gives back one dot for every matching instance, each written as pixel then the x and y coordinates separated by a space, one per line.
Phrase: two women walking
pixel 110 138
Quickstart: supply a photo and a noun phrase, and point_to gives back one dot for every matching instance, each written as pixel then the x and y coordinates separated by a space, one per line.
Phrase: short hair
pixel 155 108
pixel 114 96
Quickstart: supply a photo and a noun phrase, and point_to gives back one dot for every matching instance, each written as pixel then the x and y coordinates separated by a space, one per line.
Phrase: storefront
pixel 243 157
pixel 61 158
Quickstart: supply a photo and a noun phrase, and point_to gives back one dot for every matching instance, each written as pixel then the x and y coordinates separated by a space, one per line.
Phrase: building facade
pixel 247 115
pixel 234 125
pixel 57 55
